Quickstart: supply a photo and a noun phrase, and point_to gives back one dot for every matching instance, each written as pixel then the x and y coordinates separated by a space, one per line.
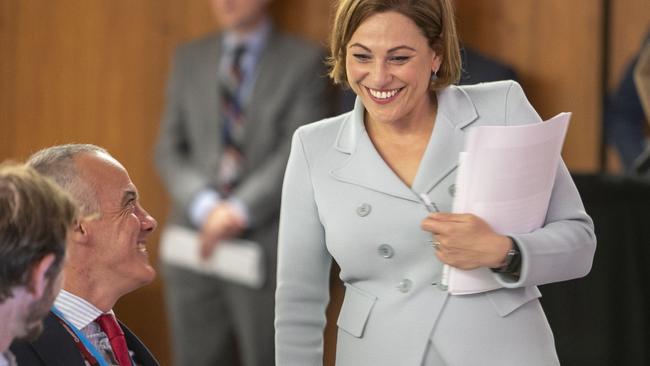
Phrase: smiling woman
pixel 391 68
pixel 397 60
pixel 391 61
pixel 352 192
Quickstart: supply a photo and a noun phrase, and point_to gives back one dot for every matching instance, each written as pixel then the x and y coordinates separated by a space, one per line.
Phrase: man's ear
pixel 37 279
pixel 79 232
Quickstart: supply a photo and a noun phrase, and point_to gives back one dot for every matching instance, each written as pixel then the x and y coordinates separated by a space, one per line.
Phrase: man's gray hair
pixel 57 162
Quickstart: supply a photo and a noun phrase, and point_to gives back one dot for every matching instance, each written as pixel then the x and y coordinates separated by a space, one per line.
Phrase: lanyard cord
pixel 89 352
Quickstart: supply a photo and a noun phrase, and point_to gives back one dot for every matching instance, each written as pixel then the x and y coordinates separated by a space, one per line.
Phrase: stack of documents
pixel 235 260
pixel 505 177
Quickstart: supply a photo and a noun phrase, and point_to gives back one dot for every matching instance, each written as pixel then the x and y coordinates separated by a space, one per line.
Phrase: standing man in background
pixel 106 259
pixel 35 216
pixel 234 100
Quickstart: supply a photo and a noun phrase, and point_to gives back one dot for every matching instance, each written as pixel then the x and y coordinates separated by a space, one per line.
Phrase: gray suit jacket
pixel 341 200
pixel 290 90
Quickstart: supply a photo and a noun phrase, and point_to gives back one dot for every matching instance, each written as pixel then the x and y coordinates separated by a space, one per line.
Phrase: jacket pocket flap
pixel 355 310
pixel 506 301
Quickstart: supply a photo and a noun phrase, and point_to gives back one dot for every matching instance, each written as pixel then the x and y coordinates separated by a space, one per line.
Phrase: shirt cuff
pixel 201 206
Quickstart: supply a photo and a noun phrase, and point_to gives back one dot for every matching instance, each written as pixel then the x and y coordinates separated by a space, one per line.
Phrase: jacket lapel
pixel 55 346
pixel 366 168
pixel 455 112
pixel 141 354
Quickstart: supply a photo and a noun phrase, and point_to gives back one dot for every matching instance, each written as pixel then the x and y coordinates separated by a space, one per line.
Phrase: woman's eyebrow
pixel 397 48
pixel 400 48
pixel 360 45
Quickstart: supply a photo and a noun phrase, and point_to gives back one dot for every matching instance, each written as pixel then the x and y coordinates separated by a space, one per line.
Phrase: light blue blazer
pixel 340 200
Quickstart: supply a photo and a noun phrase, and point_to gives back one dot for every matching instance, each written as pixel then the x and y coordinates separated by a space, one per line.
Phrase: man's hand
pixel 224 222
pixel 466 241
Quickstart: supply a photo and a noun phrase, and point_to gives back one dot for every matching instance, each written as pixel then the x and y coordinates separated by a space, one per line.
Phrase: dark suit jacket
pixel 478 68
pixel 55 347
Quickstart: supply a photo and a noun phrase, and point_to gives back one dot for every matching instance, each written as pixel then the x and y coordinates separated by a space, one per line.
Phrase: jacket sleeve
pixel 303 269
pixel 563 248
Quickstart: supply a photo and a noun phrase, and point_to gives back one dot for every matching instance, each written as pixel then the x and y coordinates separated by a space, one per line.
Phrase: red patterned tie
pixel 116 336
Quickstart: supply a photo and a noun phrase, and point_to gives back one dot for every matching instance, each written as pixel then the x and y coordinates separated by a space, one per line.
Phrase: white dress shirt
pixel 82 314
pixel 7 359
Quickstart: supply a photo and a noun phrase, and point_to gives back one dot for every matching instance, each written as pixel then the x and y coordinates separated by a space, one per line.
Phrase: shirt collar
pixel 253 41
pixel 76 310
pixel 7 358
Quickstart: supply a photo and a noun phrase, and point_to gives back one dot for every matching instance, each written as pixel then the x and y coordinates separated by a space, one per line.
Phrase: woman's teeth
pixel 383 94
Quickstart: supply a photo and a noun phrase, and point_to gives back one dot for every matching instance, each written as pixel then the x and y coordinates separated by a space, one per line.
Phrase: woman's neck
pixel 416 124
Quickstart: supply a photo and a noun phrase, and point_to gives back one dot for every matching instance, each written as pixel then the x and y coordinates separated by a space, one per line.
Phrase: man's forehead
pixel 97 161
pixel 107 174
pixel 110 160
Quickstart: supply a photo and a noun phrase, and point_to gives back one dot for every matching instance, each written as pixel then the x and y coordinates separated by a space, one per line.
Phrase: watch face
pixel 512 261
pixel 509 256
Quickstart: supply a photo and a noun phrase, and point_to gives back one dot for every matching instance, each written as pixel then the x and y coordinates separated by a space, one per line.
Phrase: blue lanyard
pixel 89 346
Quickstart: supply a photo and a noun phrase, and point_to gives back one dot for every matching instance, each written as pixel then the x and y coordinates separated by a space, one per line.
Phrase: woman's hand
pixel 466 241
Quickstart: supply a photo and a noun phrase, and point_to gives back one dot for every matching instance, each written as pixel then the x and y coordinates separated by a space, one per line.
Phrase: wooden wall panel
pixel 310 19
pixel 554 46
pixel 629 22
pixel 94 71
pixel 7 43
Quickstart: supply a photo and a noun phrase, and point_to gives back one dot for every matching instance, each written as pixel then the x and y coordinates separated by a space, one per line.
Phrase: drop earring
pixel 434 76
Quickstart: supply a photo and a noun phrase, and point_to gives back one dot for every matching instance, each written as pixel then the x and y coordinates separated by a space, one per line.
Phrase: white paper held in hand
pixel 236 260
pixel 505 177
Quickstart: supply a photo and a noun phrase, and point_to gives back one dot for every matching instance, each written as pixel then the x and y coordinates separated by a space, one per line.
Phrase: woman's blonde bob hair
pixel 435 18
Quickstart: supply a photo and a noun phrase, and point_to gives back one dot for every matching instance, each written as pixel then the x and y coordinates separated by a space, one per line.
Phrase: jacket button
pixel 405 285
pixel 385 251
pixel 364 210
pixel 452 190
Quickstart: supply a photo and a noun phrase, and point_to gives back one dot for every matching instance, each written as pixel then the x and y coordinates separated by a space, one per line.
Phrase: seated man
pixel 107 258
pixel 35 215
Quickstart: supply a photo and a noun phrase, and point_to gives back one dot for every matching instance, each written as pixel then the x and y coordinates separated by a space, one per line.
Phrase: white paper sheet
pixel 505 177
pixel 236 260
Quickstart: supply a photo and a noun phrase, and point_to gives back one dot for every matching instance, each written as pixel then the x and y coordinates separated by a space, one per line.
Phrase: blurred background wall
pixel 95 70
